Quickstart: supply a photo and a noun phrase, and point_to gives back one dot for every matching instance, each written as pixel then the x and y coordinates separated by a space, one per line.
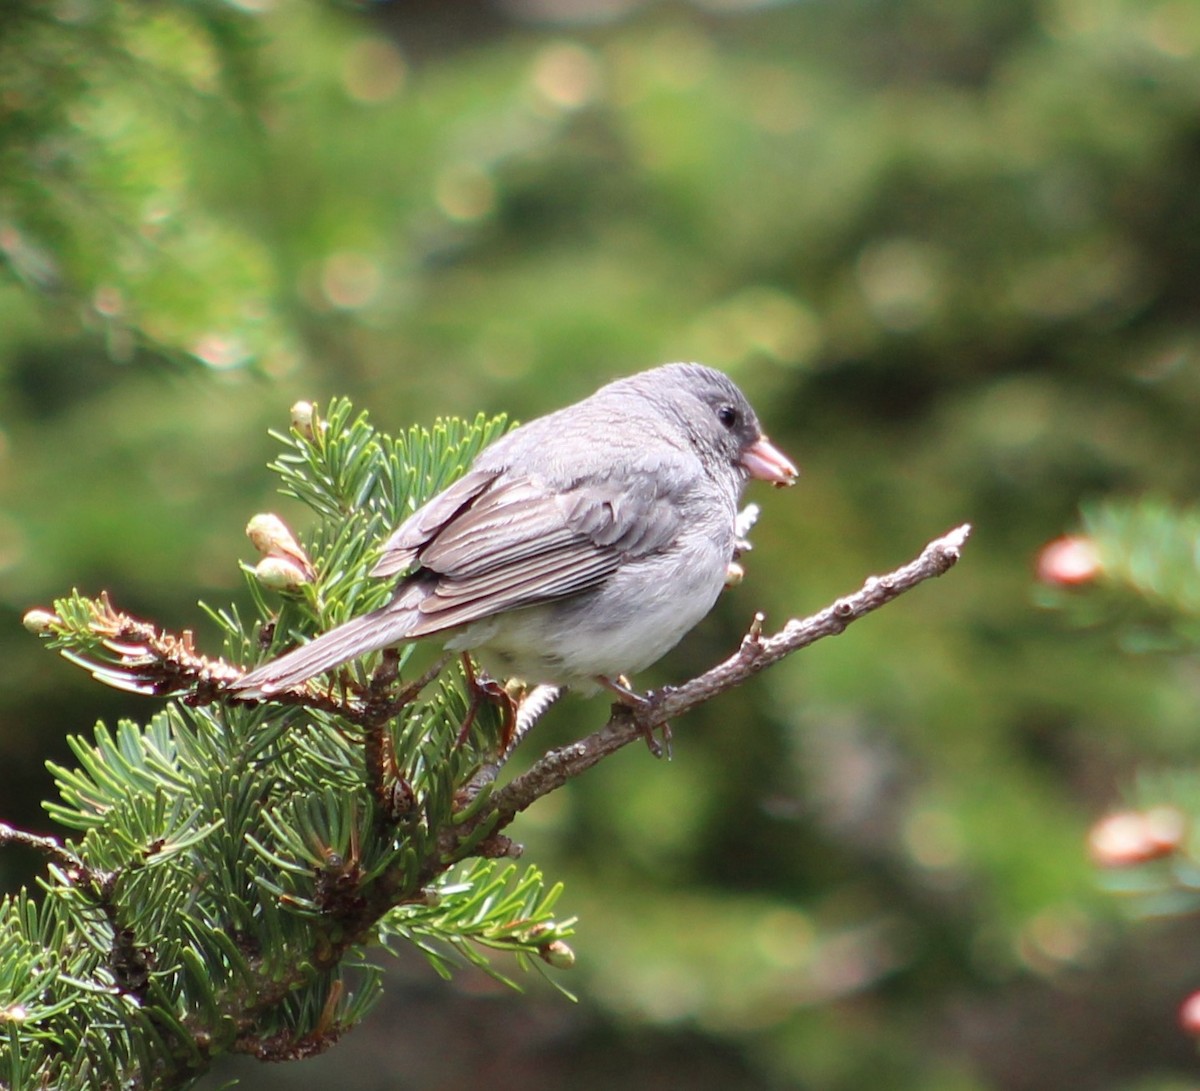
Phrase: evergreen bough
pixel 236 867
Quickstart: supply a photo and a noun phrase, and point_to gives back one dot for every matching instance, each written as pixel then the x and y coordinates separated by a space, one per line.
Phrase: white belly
pixel 639 615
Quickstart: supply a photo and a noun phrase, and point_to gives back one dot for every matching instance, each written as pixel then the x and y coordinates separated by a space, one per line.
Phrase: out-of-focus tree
pixel 950 249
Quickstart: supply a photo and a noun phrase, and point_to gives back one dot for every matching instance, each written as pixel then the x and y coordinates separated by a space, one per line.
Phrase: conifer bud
pixel 1136 837
pixel 1069 561
pixel 271 536
pixel 558 954
pixel 304 419
pixel 1189 1015
pixel 41 622
pixel 280 574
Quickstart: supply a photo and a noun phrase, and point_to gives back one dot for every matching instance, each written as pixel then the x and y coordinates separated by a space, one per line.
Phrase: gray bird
pixel 578 548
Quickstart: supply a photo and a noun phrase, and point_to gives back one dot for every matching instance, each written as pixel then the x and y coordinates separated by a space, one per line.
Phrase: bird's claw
pixel 638 707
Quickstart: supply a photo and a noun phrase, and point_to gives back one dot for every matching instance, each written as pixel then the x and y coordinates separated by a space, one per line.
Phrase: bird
pixel 576 549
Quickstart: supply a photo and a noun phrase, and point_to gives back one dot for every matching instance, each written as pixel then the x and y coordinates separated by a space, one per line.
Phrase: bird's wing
pixel 502 542
pixel 638 516
pixel 401 549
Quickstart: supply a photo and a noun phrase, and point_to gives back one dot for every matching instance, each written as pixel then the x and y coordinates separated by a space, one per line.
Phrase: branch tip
pixel 951 544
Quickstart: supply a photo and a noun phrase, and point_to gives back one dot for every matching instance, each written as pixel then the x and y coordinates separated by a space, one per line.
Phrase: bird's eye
pixel 727 415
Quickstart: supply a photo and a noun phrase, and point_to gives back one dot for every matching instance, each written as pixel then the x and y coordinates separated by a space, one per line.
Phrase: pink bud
pixel 1135 837
pixel 1069 561
pixel 1189 1014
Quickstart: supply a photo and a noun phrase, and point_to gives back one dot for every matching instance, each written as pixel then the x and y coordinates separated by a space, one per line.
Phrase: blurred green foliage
pixel 950 249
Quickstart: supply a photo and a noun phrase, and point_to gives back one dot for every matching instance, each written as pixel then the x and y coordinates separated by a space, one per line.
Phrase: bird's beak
pixel 766 462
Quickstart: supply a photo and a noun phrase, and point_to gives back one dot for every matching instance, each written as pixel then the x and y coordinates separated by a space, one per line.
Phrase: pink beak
pixel 764 461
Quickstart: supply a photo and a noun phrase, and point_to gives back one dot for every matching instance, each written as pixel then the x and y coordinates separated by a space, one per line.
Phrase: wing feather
pixel 401 549
pixel 461 602
pixel 495 541
pixel 503 527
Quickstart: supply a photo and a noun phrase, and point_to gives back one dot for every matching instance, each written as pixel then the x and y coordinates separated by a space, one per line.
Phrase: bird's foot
pixel 639 708
pixel 482 688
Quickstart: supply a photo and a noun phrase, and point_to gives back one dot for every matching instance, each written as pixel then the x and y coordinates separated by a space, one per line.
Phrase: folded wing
pixel 495 542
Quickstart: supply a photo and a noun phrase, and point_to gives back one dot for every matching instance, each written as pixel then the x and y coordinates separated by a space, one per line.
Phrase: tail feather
pixel 353 638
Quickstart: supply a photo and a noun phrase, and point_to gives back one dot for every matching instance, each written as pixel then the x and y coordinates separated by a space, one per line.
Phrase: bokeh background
pixel 950 249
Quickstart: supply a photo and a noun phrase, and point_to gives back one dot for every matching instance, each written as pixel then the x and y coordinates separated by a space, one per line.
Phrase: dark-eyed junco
pixel 577 548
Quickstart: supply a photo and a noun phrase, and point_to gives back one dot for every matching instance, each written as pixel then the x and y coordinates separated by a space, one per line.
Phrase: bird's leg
pixel 638 707
pixel 483 688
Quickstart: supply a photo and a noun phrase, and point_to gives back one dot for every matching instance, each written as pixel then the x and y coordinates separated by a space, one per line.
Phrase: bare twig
pixel 48 846
pixel 757 652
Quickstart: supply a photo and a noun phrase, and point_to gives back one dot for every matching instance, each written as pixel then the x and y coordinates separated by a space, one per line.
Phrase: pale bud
pixel 734 574
pixel 557 954
pixel 281 574
pixel 270 534
pixel 41 622
pixel 304 418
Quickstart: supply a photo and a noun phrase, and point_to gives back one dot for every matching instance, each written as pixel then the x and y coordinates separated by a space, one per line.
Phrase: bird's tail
pixel 353 638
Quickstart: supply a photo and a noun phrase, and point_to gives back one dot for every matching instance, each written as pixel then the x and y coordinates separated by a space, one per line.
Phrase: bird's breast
pixel 619 628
